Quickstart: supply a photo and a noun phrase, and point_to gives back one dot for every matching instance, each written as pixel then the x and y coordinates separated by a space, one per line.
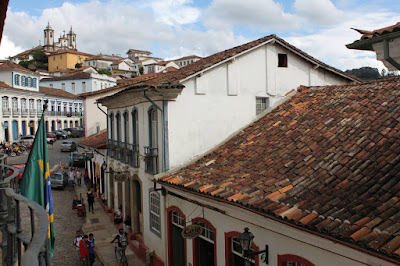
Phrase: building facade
pixel 172 118
pixel 66 59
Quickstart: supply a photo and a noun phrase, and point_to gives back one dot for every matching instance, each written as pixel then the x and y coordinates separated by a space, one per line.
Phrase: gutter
pixel 367 44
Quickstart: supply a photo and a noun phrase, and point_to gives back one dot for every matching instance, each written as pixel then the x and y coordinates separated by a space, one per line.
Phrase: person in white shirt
pixel 78 175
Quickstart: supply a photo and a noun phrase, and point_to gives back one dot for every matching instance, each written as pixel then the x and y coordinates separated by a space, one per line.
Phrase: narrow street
pixel 66 220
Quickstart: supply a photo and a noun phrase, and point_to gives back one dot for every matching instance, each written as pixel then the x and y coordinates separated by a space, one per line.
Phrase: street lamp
pixel 246 240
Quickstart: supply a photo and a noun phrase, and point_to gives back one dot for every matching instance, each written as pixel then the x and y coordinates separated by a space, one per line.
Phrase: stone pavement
pixel 104 232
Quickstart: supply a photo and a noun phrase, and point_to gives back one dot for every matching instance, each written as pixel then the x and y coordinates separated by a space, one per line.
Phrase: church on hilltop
pixel 65 41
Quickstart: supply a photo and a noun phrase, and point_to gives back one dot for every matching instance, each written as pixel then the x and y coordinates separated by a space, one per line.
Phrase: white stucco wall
pixel 281 239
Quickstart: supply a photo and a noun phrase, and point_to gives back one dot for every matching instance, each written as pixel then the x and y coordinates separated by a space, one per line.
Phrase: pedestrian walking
pixel 90 199
pixel 71 177
pixel 84 250
pixel 92 256
pixel 86 177
pixel 78 175
pixel 77 240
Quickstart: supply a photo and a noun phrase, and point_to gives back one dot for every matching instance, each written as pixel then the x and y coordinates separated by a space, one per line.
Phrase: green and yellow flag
pixel 35 182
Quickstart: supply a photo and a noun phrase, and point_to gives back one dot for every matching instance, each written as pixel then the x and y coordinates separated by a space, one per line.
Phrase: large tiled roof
pixel 26 52
pixel 98 141
pixel 57 92
pixel 138 51
pixel 187 57
pixel 121 84
pixel 10 65
pixel 328 160
pixel 174 77
pixel 70 52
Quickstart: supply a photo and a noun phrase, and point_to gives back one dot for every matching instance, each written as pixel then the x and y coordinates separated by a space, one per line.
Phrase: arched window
pixel 204 248
pixel 39 105
pixel 23 81
pixel 111 127
pixel 15 103
pixel 34 82
pixel 234 253
pixel 155 214
pixel 153 127
pixel 135 127
pixel 23 104
pixel 16 79
pixel 28 82
pixel 126 127
pixel 293 260
pixel 5 103
pixel 176 243
pixel 118 126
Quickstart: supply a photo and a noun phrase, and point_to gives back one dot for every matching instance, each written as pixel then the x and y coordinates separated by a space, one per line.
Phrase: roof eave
pixel 367 44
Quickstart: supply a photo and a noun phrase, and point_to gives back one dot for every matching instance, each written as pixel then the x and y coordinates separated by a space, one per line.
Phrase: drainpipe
pixel 106 175
pixel 97 103
pixel 387 57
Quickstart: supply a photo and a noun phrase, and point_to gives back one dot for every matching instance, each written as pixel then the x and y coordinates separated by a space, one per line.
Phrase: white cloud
pixel 319 12
pixel 266 14
pixel 173 12
pixel 8 48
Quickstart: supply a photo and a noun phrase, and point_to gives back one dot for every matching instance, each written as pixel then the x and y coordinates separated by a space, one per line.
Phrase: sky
pixel 175 28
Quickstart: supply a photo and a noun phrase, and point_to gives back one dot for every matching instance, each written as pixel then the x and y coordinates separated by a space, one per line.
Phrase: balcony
pixel 52 113
pixel 16 112
pixel 133 155
pixel 58 113
pixel 32 112
pixel 24 112
pixel 151 160
pixel 6 112
pixel 39 112
pixel 114 149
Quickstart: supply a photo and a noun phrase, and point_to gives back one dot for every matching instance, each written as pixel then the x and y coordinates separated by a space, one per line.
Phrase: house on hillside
pixel 186 60
pixel 159 67
pixel 66 59
pixel 164 122
pixel 385 42
pixel 315 180
pixel 80 82
pixel 101 61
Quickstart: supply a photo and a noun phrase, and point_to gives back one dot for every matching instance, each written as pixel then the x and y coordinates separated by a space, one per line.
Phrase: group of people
pixel 84 246
pixel 75 176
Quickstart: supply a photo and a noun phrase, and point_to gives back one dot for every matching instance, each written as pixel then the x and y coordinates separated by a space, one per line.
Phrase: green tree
pixel 366 73
pixel 39 61
pixel 78 65
pixel 103 71
pixel 141 70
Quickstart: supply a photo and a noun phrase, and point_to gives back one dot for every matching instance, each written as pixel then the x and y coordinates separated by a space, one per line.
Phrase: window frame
pixel 282 60
pixel 195 245
pixel 170 211
pixel 153 214
pixel 286 258
pixel 261 107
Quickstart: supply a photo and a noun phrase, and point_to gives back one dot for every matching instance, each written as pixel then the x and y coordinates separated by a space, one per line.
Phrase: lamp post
pixel 246 240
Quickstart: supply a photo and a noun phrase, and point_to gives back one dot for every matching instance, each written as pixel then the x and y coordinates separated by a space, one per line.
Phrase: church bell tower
pixel 48 38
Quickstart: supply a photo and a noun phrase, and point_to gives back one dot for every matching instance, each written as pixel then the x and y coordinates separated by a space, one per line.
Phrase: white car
pixel 27 139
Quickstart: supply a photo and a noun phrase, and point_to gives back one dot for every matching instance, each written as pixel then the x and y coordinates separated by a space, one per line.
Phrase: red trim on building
pixel 198 220
pixel 228 248
pixel 283 259
pixel 170 240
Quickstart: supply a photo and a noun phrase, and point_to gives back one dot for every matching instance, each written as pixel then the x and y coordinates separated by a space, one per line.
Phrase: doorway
pixel 15 130
pixel 6 133
pixel 23 128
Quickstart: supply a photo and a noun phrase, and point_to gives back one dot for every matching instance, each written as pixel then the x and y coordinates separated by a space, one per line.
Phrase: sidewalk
pixel 104 232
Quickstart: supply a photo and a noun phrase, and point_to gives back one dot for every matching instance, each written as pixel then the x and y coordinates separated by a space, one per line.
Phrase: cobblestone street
pixel 66 220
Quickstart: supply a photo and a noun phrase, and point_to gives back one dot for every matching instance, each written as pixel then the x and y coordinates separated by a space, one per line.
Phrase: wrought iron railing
pixel 32 112
pixel 24 112
pixel 151 160
pixel 133 155
pixel 117 150
pixel 16 112
pixel 14 241
pixel 6 112
pixel 110 144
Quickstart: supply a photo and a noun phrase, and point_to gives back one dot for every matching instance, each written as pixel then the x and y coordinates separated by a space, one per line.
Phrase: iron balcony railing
pixel 32 112
pixel 24 112
pixel 39 112
pixel 58 113
pixel 151 160
pixel 133 155
pixel 6 112
pixel 110 147
pixel 35 250
pixel 117 150
pixel 16 112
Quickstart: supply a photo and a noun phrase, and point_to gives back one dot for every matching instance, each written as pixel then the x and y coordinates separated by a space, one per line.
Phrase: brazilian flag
pixel 35 182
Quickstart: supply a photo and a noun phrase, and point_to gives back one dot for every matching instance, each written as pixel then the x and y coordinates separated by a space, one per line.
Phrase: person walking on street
pixel 71 177
pixel 78 175
pixel 122 239
pixel 86 177
pixel 77 240
pixel 84 250
pixel 92 256
pixel 90 196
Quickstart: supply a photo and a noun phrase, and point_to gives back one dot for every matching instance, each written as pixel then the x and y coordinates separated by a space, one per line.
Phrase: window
pixel 23 104
pixel 126 127
pixel 51 35
pixel 118 126
pixel 262 103
pixel 73 87
pixel 83 86
pixel 5 103
pixel 204 249
pixel 54 58
pixel 16 79
pixel 15 104
pixel 111 127
pixel 155 218
pixel 60 56
pixel 23 81
pixel 51 85
pixel 28 82
pixel 63 86
pixel 31 104
pixel 293 260
pixel 39 104
pixel 135 127
pixel 282 60
pixel 34 83
pixel 153 128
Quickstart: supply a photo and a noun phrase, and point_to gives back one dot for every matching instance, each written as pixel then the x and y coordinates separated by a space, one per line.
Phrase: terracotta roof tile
pixel 57 92
pixel 98 141
pixel 10 65
pixel 350 190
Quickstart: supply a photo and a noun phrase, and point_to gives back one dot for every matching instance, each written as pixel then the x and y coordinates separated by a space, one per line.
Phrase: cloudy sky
pixel 175 28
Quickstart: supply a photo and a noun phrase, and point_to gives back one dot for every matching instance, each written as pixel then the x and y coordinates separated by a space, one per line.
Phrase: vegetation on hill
pixel 369 73
pixel 39 61
pixel 103 71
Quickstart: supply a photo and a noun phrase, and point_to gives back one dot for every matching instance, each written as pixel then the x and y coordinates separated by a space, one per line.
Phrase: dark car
pixel 59 179
pixel 75 133
pixel 68 145
pixel 78 160
pixel 61 134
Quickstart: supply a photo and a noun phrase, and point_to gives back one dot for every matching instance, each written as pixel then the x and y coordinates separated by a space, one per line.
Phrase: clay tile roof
pixel 379 32
pixel 4 85
pixel 70 52
pixel 187 57
pixel 331 151
pixel 139 51
pixel 71 75
pixel 10 65
pixel 57 92
pixel 121 84
pixel 98 141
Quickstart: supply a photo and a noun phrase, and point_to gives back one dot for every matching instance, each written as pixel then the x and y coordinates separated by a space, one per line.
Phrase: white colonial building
pixel 80 82
pixel 171 118
pixel 22 104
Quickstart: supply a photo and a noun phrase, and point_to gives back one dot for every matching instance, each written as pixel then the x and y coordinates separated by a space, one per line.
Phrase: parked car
pixel 68 145
pixel 78 160
pixel 27 139
pixel 59 179
pixel 50 138
pixel 61 134
pixel 75 133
